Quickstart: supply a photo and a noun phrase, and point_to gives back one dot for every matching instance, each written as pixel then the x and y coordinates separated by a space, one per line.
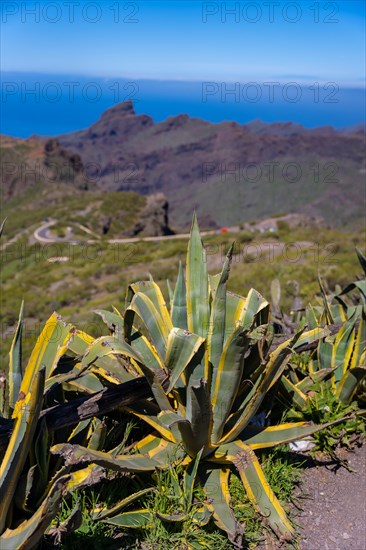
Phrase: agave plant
pixel 340 305
pixel 208 363
pixel 339 361
pixel 340 358
pixel 32 482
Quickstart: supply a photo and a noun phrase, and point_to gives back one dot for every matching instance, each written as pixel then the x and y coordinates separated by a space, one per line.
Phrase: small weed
pixel 91 534
pixel 322 407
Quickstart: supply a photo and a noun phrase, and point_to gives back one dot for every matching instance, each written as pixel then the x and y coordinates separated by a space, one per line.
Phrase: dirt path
pixel 334 505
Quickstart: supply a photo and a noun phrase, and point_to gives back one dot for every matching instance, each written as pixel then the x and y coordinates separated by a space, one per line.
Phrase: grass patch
pixel 280 467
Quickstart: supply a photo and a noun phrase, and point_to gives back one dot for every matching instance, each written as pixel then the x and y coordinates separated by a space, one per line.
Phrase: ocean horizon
pixel 49 105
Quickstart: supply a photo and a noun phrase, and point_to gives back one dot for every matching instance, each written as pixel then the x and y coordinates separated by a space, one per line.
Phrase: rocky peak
pixel 119 120
pixel 120 110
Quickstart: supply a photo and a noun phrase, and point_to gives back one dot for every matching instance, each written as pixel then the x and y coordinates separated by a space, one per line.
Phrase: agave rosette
pixel 207 360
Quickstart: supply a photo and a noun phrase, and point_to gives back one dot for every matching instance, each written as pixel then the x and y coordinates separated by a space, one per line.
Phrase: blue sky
pixel 189 40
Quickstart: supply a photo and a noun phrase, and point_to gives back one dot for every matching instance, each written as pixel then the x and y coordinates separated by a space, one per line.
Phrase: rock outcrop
pixel 154 218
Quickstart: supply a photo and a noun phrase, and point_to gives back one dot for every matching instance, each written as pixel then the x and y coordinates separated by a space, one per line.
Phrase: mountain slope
pixel 229 173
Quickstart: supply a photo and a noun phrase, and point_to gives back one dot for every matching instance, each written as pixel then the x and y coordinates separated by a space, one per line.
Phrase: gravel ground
pixel 333 503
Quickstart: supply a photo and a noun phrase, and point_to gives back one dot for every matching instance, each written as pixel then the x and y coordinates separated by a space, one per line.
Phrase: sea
pixel 49 105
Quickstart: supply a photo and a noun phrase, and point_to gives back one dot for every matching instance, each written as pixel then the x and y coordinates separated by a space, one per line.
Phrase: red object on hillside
pixel 224 230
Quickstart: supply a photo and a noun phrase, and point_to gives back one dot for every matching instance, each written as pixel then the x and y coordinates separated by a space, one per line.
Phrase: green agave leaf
pixel 324 352
pixel 106 346
pixel 255 311
pixel 160 424
pixel 87 382
pixel 170 293
pixel 76 454
pixel 177 423
pixel 234 306
pixel 42 456
pixel 226 379
pixel 201 515
pixel 103 513
pixel 179 426
pixel 181 348
pixel 361 259
pixel 4 402
pixel 51 344
pixel 189 480
pixel 350 382
pixel 80 431
pixel 135 519
pixel 97 434
pixel 150 444
pixel 257 437
pixel 166 453
pixel 342 350
pixel 142 306
pixel 296 396
pixel 146 350
pixel 360 285
pixel 198 312
pixel 199 415
pixel 76 374
pixel 173 518
pixel 24 489
pixel 255 362
pixel 153 292
pixel 26 413
pixel 360 343
pixel 217 326
pixel 213 283
pixel 258 490
pixel 79 343
pixel 338 310
pixel 27 535
pixel 216 486
pixel 312 316
pixel 165 423
pixel 193 436
pixel 310 336
pixel 113 320
pixel 274 369
pixel 326 303
pixel 15 360
pixel 156 388
pixel 179 302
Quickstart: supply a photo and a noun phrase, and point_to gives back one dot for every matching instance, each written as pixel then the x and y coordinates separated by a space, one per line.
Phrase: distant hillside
pixel 46 184
pixel 229 173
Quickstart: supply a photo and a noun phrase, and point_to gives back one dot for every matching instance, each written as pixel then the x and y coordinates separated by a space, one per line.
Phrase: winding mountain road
pixel 42 235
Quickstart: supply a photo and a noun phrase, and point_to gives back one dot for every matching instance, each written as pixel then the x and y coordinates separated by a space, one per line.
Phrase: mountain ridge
pixel 229 172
